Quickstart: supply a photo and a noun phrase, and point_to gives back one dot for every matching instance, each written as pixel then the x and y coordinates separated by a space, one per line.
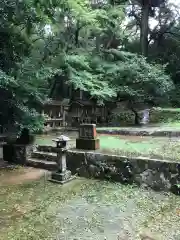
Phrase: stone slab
pixel 61 177
pixel 88 144
pixel 62 182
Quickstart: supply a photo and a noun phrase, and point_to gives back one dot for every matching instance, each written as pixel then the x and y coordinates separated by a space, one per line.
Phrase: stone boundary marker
pixel 87 137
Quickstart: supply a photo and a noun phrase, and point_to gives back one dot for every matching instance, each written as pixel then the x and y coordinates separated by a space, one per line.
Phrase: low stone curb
pixel 140 133
pixel 160 175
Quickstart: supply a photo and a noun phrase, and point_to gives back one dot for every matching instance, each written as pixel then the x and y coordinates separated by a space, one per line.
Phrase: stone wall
pixel 140 132
pixel 156 174
pixel 17 153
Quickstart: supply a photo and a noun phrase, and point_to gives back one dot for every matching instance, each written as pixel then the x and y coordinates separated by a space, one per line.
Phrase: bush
pixel 123 118
pixel 33 121
pixel 160 115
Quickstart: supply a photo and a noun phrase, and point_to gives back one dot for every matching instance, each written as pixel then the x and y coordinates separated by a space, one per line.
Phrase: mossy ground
pixel 86 209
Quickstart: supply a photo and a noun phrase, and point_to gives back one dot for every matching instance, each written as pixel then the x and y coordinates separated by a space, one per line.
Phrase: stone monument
pixel 87 137
pixel 62 175
pixel 18 149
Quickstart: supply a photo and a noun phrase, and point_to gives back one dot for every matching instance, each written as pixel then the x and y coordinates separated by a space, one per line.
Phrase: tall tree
pixel 141 10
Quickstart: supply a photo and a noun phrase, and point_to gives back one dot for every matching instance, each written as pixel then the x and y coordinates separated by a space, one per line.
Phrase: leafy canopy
pixel 82 39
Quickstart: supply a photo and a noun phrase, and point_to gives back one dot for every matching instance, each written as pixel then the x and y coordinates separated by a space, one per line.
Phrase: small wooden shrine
pixel 55 112
pixel 67 106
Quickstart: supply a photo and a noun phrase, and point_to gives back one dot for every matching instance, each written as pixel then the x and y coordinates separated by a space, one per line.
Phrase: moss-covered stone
pixel 154 173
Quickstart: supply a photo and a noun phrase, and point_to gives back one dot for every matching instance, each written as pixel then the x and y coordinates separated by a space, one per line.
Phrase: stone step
pixel 47 165
pixel 46 148
pixel 48 156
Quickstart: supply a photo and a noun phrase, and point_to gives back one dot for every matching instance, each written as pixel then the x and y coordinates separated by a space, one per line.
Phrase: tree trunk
pixel 77 34
pixel 98 42
pixel 137 119
pixel 144 27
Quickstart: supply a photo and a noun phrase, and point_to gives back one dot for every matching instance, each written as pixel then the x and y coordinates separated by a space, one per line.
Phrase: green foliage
pixel 31 120
pixel 164 115
pixel 137 79
pixel 23 72
pixel 133 78
pixel 123 118
pixel 83 75
pixel 114 73
pixel 40 39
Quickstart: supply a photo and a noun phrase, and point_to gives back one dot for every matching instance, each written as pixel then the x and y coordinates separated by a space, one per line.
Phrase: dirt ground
pixel 19 175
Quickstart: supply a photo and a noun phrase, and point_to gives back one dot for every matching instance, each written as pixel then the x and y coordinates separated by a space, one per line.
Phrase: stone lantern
pixel 62 175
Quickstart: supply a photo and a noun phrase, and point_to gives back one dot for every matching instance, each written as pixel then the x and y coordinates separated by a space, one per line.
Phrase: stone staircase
pixel 43 157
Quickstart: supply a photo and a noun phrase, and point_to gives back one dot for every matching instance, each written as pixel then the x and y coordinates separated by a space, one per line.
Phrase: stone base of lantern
pixel 87 144
pixel 61 177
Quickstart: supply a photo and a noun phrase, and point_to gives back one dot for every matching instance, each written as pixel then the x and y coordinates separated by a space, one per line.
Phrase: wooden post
pixel 50 113
pixel 64 117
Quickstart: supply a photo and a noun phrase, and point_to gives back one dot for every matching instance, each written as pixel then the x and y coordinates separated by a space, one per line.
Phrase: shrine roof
pixel 53 102
pixel 83 102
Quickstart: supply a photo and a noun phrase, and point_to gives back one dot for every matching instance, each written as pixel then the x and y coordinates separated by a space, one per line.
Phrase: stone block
pixel 87 131
pixel 62 177
pixel 88 144
pixel 17 153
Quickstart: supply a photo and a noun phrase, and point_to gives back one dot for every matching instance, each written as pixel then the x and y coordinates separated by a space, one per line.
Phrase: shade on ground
pixel 86 209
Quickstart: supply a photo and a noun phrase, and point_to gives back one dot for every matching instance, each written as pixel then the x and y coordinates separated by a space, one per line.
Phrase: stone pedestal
pixel 87 138
pixel 62 177
pixel 87 144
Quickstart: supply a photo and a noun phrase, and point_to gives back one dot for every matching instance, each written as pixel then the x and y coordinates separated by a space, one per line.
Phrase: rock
pixel 155 180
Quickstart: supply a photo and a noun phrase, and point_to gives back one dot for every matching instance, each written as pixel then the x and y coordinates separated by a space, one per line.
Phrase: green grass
pixel 44 140
pixel 168 109
pixel 109 128
pixel 152 147
pixel 160 148
pixel 139 145
pixel 173 124
pixel 85 209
